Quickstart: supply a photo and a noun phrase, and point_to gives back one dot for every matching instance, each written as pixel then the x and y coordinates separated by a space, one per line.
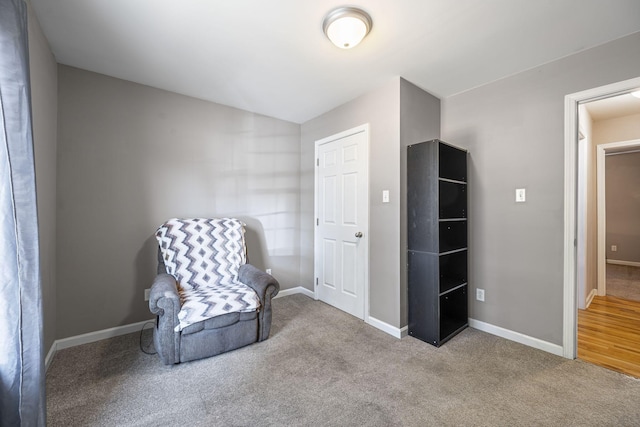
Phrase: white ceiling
pixel 271 57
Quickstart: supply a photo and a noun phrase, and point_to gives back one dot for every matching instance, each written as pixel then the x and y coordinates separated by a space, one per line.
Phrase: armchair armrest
pixel 264 284
pixel 164 286
pixel 267 287
pixel 164 302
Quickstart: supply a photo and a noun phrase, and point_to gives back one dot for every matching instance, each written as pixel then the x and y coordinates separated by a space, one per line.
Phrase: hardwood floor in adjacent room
pixel 609 334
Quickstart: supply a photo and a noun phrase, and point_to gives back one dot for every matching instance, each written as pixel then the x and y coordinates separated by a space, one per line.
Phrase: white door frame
pixel 571 102
pixel 362 128
pixel 601 151
pixel 584 144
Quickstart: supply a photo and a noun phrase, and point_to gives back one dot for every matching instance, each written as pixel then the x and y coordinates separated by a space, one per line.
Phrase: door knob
pixel 359 234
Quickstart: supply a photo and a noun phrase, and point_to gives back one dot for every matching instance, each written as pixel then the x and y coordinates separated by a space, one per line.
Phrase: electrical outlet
pixel 268 271
pixel 480 294
pixel 614 248
pixel 146 294
pixel 520 195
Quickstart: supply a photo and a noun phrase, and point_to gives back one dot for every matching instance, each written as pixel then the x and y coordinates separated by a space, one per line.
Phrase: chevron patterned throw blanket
pixel 204 255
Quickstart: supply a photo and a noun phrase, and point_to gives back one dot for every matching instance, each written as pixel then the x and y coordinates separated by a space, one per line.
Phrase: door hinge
pixel 317 221
pixel 316 281
pixel 317 162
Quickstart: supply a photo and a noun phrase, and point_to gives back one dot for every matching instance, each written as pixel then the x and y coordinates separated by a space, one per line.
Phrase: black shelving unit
pixel 437 241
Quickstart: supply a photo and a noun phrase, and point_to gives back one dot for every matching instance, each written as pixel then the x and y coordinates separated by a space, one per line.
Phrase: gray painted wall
pixel 514 129
pixel 381 109
pixel 419 121
pixel 622 183
pixel 399 114
pixel 44 108
pixel 130 157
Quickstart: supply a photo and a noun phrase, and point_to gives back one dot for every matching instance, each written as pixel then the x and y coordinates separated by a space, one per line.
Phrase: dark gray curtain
pixel 22 401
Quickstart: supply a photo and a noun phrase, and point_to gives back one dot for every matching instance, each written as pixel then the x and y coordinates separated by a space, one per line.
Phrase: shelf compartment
pixel 453 270
pixel 452 200
pixel 452 162
pixel 453 312
pixel 453 235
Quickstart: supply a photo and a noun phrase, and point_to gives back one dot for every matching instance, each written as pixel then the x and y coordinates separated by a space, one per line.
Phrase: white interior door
pixel 341 237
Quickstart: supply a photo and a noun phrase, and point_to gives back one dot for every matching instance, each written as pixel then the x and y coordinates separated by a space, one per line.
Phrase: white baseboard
pixel 49 357
pixel 592 294
pixel 385 327
pixel 297 290
pixel 92 337
pixel 620 262
pixel 100 335
pixel 517 337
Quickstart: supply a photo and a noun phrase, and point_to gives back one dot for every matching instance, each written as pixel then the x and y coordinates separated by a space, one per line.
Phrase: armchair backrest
pixel 202 252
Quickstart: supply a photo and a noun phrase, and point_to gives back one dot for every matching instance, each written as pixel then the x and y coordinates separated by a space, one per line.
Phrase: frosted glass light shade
pixel 346 26
pixel 636 93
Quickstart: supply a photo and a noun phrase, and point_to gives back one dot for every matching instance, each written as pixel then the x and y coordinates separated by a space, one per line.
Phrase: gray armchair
pixel 207 299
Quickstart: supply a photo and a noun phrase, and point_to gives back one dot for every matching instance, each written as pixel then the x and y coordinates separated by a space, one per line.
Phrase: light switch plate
pixel 520 195
pixel 385 196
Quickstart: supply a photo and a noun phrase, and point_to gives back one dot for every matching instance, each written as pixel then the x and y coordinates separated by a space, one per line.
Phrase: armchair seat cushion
pixel 208 302
pixel 219 322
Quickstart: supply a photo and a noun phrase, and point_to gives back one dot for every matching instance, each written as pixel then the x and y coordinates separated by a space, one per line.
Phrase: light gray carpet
pixel 623 281
pixel 324 367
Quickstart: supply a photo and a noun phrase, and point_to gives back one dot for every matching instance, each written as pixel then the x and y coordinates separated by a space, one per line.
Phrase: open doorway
pixel 608 145
pixel 618 200
pixel 572 207
pixel 621 221
pixel 608 207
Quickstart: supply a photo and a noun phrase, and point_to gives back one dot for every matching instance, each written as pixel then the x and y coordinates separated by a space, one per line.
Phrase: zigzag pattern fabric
pixel 200 251
pixel 205 255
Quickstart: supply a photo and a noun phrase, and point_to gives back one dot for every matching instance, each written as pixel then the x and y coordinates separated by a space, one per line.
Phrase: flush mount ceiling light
pixel 347 26
pixel 636 93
